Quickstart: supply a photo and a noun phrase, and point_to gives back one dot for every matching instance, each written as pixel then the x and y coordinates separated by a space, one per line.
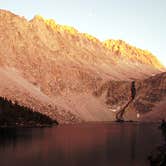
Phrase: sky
pixel 141 23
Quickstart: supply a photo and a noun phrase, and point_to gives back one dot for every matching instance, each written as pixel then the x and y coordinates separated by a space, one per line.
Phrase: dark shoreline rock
pixel 158 156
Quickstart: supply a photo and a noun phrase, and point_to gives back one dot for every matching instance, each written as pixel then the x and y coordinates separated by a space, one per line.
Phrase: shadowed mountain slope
pixel 148 103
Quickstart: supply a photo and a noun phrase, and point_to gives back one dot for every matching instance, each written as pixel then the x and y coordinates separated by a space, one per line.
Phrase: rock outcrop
pixel 145 102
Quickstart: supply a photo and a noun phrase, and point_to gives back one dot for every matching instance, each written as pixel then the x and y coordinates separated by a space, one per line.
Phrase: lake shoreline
pixel 28 126
pixel 55 123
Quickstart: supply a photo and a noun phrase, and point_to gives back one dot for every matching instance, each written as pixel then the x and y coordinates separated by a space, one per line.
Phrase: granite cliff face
pixel 151 98
pixel 68 75
pixel 147 103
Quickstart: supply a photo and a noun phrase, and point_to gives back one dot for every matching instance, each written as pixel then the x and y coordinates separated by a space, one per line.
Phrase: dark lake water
pixel 102 144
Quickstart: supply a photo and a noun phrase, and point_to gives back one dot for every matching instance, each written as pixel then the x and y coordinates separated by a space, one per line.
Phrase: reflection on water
pixel 79 145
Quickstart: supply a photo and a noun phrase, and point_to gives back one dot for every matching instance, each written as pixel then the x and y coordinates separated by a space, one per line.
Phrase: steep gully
pixel 120 113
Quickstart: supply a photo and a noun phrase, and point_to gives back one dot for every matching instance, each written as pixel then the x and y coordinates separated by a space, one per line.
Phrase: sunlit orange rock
pixel 121 48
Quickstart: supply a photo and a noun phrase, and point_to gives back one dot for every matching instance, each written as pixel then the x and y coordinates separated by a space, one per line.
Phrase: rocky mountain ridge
pixel 57 70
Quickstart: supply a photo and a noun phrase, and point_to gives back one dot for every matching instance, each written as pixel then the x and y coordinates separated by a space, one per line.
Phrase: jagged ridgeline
pixel 12 114
pixel 74 77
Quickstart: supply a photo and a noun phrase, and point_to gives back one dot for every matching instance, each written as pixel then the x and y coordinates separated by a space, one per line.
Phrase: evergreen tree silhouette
pixel 13 114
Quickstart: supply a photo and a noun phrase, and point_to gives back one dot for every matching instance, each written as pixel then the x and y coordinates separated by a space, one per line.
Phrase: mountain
pixel 65 74
pixel 147 104
pixel 151 99
pixel 126 51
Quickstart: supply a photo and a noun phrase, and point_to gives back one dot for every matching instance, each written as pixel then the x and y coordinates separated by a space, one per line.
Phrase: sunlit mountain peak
pixel 123 49
pixel 91 38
